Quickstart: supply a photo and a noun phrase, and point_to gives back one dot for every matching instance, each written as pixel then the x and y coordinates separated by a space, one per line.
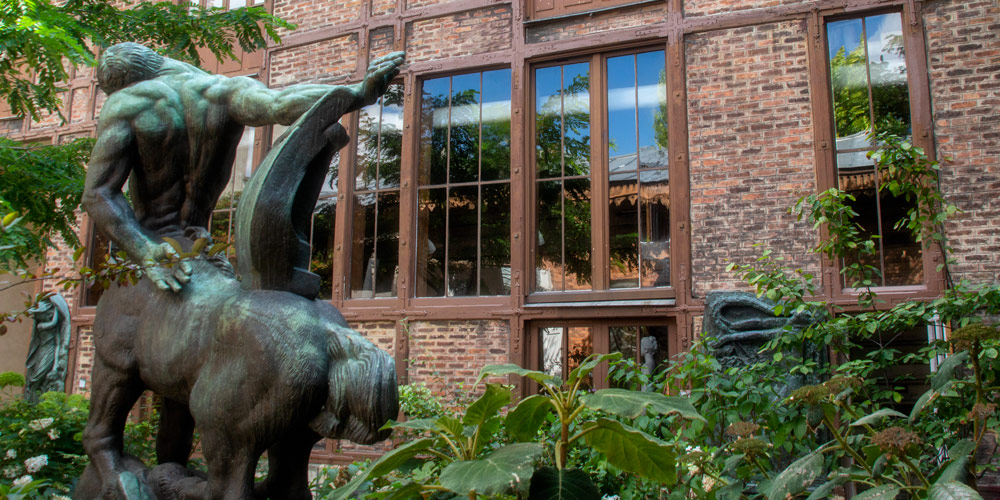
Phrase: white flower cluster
pixel 10 472
pixel 41 424
pixel 23 480
pixel 53 434
pixel 11 453
pixel 35 464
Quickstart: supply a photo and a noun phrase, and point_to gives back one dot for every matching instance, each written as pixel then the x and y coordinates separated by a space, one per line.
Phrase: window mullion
pixel 599 175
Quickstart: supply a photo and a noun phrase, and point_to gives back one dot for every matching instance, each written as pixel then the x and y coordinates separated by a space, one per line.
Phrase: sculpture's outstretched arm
pixel 253 104
pixel 103 199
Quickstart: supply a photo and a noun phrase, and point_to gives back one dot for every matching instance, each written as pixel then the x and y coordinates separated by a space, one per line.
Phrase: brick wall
pixel 695 8
pixel 606 21
pixel 468 33
pixel 963 45
pixel 448 355
pixel 329 61
pixel 380 42
pixel 309 15
pixel 751 151
pixel 81 105
pixel 80 384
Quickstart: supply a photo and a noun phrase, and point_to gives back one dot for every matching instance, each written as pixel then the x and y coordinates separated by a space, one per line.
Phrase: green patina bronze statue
pixel 257 365
pixel 48 352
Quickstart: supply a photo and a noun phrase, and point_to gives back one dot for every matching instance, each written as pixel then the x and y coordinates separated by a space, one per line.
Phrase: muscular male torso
pixel 184 144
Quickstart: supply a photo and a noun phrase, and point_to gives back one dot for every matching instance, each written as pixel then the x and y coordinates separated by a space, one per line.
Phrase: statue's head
pixel 126 63
pixel 363 393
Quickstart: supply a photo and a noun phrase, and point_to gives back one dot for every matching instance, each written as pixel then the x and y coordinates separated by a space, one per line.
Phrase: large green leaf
pixel 959 453
pixel 512 369
pixel 488 405
pixel 884 492
pixel 731 491
pixel 947 369
pixel 408 491
pixel 876 416
pixel 389 462
pixel 797 477
pixel 527 417
pixel 588 365
pixel 632 450
pixel 451 426
pixel 826 490
pixel 953 490
pixel 632 404
pixel 568 484
pixel 496 473
pixel 418 424
pixel 926 398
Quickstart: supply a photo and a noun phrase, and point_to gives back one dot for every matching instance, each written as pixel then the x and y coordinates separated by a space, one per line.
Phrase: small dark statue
pixel 47 353
pixel 256 365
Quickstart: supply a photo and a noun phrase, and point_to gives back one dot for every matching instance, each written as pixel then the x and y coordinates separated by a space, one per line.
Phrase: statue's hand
pixel 164 276
pixel 380 73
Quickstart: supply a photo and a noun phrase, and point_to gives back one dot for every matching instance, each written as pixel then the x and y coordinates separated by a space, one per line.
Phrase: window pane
pixel 368 148
pixel 100 249
pixel 464 119
pixel 652 108
pixel 496 125
pixel 363 247
pixel 463 236
pixel 387 244
pixel 623 218
pixel 622 111
pixel 495 238
pixel 654 227
pixel 548 122
pixel 577 234
pixel 552 351
pixel 548 244
pixel 235 4
pixel 887 67
pixel 580 344
pixel 576 119
pixel 321 261
pixel 623 339
pixel 430 242
pixel 434 132
pixel 903 262
pixel 849 77
pixel 391 141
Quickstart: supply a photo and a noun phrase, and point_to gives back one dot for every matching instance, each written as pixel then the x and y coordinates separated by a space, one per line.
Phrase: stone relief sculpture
pixel 742 323
pixel 257 365
pixel 45 368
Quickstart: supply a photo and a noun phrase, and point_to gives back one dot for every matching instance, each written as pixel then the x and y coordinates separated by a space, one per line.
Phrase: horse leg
pixel 174 439
pixel 288 467
pixel 231 463
pixel 114 393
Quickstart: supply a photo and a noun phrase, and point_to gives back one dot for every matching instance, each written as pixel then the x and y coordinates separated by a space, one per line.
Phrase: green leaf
pixel 451 426
pixel 408 491
pixel 947 369
pixel 632 450
pixel 567 484
pixel 876 416
pixel 953 490
pixel 488 405
pixel 588 365
pixel 199 245
pixel 389 462
pixel 797 477
pixel 631 404
pixel 497 473
pixel 826 489
pixel 884 492
pixel 527 417
pixel 512 369
pixel 732 491
pixel 926 398
pixel 418 424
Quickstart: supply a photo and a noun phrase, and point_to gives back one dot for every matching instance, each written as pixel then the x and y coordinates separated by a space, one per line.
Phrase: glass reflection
pixel 577 271
pixel 495 145
pixel 579 345
pixel 654 228
pixel 564 348
pixel 321 244
pixel 433 168
pixel 495 227
pixel 548 122
pixel 463 141
pixel 462 241
pixel 552 351
pixel 431 239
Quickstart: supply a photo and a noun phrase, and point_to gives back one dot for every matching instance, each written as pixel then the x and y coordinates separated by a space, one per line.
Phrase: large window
pixel 375 215
pixel 871 95
pixel 602 201
pixel 463 195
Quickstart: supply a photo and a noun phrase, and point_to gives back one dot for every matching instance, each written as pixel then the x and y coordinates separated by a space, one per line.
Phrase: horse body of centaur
pixel 253 370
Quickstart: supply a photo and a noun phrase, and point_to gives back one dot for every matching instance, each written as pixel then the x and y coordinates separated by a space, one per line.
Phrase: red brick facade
pixel 749 134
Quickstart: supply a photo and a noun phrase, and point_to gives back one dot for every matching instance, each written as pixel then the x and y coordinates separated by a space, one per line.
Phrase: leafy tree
pixel 41 43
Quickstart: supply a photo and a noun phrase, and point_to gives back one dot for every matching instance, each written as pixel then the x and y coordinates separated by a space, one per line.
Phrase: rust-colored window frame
pixel 540 10
pixel 825 139
pixel 600 280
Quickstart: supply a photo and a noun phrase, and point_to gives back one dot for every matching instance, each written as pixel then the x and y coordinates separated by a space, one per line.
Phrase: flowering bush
pixel 40 448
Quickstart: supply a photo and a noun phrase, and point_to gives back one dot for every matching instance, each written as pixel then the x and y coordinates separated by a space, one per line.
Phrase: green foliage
pixel 43 440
